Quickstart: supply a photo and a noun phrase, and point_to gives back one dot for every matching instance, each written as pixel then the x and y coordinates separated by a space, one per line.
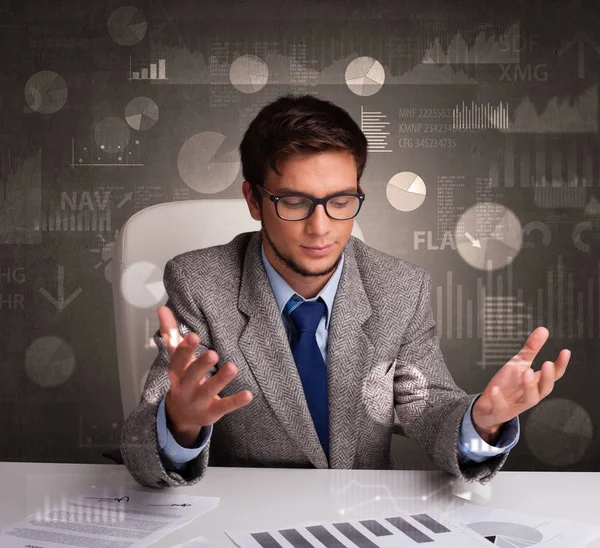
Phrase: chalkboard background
pixel 483 168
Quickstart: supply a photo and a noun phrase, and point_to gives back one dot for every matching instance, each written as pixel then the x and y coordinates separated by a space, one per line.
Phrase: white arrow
pixel 580 38
pixel 126 199
pixel 60 303
pixel 473 240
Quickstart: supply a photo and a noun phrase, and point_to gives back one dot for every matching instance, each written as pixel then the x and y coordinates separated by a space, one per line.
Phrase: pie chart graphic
pixel 488 236
pixel 406 191
pixel 141 113
pixel 559 432
pixel 365 76
pixel 49 361
pixel 46 92
pixel 142 284
pixel 208 162
pixel 507 535
pixel 127 26
pixel 249 73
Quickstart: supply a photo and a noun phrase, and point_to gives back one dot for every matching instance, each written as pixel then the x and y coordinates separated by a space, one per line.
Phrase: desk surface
pixel 254 498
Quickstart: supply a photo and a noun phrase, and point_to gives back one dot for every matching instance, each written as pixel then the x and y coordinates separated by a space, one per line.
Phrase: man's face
pixel 318 175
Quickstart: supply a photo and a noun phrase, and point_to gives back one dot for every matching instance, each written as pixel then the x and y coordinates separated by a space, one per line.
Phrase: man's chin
pixel 317 266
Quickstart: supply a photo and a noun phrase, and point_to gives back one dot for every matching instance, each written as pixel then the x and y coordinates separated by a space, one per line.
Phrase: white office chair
pixel 144 245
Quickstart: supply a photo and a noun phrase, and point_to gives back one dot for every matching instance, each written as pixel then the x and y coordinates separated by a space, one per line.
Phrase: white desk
pixel 258 498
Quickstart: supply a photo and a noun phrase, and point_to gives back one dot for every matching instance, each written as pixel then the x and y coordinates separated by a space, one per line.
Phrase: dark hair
pixel 297 124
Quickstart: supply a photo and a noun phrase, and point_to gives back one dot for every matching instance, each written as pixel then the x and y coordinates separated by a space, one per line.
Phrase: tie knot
pixel 306 316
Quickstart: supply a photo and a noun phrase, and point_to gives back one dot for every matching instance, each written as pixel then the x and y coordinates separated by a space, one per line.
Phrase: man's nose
pixel 319 219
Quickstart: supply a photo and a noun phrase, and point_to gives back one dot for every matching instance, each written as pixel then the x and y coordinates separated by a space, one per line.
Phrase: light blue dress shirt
pixel 470 445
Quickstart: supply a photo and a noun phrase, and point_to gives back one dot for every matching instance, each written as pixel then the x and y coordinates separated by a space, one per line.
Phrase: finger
pixel 168 328
pixel 231 403
pixel 196 372
pixel 184 354
pixel 547 376
pixel 560 365
pixel 215 384
pixel 499 403
pixel 533 344
pixel 530 389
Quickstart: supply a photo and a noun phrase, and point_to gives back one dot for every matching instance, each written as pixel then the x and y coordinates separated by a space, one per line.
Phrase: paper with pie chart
pixel 508 529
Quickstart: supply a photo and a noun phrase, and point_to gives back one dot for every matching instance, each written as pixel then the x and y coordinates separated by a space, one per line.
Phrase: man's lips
pixel 317 248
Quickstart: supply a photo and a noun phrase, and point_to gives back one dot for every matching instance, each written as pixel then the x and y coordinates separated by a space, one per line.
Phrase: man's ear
pixel 253 206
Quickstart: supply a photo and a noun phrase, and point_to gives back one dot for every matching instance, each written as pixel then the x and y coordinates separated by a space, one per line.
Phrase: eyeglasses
pixel 298 206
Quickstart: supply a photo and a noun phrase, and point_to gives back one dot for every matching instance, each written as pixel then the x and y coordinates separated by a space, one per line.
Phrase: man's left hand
pixel 516 387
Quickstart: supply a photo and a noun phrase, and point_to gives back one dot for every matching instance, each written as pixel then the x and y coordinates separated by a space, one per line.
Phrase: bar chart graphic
pixel 155 70
pixel 559 169
pixel 20 197
pixel 84 220
pixel 502 317
pixel 372 124
pixel 476 116
pixel 458 317
pixel 398 530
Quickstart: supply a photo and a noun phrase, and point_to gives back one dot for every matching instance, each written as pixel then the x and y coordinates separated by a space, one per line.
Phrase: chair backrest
pixel 144 245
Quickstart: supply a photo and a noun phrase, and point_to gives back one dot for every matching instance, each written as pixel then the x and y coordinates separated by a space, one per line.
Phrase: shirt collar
pixel 283 292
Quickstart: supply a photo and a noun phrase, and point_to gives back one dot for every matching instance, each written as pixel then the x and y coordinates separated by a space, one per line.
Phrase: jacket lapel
pixel 265 346
pixel 349 353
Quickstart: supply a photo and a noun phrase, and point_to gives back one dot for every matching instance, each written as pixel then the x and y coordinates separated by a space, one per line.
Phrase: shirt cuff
pixel 472 447
pixel 169 449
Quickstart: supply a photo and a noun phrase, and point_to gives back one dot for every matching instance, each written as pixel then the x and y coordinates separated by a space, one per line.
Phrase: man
pixel 295 356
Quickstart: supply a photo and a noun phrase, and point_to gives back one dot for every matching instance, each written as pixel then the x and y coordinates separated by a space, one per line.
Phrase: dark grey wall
pixel 491 116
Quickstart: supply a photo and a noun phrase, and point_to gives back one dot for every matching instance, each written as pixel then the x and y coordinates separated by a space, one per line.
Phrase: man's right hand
pixel 193 401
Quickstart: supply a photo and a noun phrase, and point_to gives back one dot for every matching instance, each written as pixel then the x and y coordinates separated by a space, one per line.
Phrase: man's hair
pixel 297 124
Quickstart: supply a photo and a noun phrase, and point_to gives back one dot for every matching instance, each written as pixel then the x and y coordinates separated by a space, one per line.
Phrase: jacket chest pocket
pixel 380 379
pixel 378 391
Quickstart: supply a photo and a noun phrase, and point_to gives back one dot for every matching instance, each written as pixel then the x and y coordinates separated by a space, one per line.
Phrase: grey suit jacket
pixel 382 352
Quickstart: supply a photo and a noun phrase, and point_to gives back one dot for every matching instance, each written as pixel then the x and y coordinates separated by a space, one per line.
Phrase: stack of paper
pixel 106 519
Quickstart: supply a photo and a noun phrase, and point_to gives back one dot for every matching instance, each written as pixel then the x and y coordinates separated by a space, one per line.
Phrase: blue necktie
pixel 309 361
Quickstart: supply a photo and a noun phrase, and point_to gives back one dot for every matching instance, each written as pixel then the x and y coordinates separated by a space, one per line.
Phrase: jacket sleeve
pixel 174 456
pixel 139 443
pixel 472 447
pixel 429 404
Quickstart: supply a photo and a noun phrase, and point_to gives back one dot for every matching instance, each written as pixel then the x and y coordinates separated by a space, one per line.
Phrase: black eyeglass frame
pixel 315 202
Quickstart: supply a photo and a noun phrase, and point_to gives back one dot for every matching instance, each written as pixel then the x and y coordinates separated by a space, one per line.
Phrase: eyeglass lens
pixel 341 207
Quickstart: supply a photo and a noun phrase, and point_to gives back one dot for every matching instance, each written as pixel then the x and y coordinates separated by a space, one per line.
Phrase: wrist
pixel 185 436
pixel 488 431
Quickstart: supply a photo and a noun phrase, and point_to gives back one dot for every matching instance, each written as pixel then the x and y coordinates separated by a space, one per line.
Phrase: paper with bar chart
pixel 394 530
pixel 466 525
